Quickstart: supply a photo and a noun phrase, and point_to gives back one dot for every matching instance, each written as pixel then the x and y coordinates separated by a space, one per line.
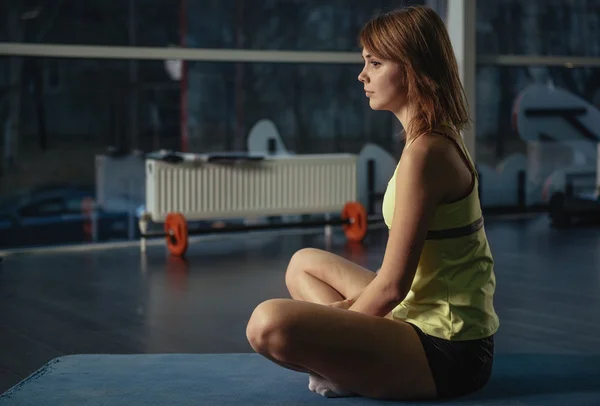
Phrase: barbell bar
pixel 354 221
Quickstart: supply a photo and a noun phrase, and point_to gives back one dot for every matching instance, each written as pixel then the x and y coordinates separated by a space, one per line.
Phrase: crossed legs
pixel 370 356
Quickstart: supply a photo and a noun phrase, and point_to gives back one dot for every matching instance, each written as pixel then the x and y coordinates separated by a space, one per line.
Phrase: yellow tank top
pixel 451 296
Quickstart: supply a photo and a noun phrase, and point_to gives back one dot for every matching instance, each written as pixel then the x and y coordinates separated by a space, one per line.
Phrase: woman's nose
pixel 362 77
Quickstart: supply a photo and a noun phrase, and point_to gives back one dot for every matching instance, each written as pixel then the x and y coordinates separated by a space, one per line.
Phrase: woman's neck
pixel 405 115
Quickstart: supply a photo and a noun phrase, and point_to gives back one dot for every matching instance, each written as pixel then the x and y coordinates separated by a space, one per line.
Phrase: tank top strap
pixel 462 150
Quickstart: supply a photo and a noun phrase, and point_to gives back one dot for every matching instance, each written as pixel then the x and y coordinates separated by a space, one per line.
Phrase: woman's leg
pixel 318 276
pixel 370 356
pixel 321 277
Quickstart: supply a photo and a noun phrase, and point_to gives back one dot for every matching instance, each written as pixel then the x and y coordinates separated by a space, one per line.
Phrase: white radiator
pixel 277 185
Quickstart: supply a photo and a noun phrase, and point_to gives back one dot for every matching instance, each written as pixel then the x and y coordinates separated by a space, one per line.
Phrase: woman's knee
pixel 299 263
pixel 268 328
pixel 303 258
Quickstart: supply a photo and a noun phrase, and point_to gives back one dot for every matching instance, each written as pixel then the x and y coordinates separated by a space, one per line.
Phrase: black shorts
pixel 458 367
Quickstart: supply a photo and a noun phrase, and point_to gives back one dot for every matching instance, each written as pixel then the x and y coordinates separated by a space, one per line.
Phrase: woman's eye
pixel 375 63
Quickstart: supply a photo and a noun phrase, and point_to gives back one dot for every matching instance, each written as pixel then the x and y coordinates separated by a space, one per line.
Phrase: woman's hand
pixel 342 304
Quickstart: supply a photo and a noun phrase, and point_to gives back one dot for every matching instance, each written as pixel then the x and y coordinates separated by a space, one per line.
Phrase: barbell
pixel 353 219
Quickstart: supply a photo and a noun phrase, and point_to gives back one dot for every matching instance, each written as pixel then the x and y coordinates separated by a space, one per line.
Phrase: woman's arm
pixel 420 186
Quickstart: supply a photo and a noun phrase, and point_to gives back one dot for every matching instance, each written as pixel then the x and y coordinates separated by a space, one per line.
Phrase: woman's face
pixel 383 83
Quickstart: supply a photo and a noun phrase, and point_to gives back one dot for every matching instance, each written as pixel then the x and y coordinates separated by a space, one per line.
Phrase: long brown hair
pixel 416 38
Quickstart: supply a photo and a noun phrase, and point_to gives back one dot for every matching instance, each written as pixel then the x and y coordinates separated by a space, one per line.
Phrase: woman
pixel 422 327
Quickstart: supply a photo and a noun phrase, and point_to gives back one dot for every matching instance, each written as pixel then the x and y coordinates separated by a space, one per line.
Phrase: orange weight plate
pixel 176 230
pixel 356 230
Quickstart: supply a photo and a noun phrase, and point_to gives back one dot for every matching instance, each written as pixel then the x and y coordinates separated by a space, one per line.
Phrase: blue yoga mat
pixel 249 379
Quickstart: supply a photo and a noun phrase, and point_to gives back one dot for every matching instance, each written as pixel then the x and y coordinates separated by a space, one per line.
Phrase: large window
pixel 539 119
pixel 325 25
pixel 317 108
pixel 538 96
pixel 58 112
pixel 61 106
pixel 539 27
pixel 83 106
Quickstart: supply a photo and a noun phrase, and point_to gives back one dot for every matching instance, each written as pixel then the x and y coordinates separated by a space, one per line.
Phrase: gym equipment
pixel 240 185
pixel 570 207
pixel 573 206
pixel 264 138
pixel 353 219
pixel 250 379
pixel 558 129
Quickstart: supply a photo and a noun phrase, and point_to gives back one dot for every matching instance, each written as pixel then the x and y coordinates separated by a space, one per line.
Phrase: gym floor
pixel 117 300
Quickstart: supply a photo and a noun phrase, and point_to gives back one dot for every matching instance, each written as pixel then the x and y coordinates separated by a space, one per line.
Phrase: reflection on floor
pixel 120 301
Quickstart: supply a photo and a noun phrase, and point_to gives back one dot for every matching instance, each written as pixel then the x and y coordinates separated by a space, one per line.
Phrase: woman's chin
pixel 376 106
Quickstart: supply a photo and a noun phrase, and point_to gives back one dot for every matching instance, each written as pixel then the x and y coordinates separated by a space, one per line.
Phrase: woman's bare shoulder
pixel 429 158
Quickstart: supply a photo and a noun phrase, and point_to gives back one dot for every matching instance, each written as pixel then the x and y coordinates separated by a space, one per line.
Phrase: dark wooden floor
pixel 120 301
